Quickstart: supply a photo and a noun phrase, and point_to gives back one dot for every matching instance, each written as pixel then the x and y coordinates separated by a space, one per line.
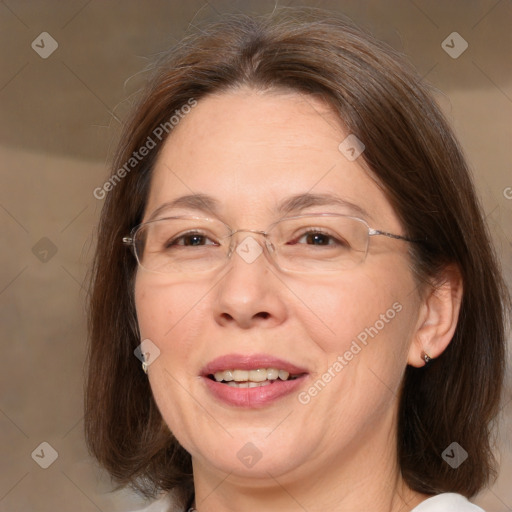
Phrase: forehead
pixel 251 151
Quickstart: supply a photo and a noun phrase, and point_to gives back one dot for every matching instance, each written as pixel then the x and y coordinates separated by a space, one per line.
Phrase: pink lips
pixel 249 362
pixel 251 397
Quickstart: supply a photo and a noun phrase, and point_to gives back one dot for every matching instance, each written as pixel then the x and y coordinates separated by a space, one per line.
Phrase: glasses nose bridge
pixel 255 231
pixel 235 241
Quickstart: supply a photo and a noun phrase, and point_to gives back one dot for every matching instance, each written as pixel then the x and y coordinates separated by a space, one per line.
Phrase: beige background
pixel 59 120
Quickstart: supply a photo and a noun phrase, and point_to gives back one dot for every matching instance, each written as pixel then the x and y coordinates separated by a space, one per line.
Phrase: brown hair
pixel 419 164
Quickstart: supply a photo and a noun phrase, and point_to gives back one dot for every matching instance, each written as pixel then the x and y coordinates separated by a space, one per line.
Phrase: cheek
pixel 171 316
pixel 367 326
pixel 165 308
pixel 356 308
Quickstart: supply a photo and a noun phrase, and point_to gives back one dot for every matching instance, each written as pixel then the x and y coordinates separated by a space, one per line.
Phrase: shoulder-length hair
pixel 415 157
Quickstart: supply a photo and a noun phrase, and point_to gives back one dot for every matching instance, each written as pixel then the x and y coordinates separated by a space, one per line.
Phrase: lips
pixel 250 362
pixel 251 380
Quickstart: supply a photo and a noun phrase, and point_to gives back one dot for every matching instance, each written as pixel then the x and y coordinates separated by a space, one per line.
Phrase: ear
pixel 438 316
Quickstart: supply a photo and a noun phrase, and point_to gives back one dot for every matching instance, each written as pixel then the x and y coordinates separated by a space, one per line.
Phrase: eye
pixel 315 236
pixel 190 239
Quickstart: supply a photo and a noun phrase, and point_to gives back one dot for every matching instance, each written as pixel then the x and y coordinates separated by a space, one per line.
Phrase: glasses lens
pixel 315 243
pixel 319 243
pixel 181 245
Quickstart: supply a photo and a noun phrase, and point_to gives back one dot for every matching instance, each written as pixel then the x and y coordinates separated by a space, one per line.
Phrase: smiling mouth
pixel 252 378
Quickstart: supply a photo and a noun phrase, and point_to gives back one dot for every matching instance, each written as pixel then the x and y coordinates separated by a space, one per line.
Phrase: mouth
pixel 237 378
pixel 251 381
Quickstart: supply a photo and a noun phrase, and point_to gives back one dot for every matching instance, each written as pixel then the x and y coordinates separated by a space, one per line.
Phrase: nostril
pixel 263 314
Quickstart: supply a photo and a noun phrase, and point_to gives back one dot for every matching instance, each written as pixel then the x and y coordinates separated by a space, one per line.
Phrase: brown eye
pixel 318 238
pixel 191 239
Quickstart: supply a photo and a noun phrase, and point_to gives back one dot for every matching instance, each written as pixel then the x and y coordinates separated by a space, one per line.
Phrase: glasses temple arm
pixel 373 232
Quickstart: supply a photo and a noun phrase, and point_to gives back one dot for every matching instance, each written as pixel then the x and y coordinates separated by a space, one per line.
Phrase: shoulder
pixel 448 502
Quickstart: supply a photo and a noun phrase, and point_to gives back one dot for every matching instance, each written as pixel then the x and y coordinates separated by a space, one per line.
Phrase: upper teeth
pixel 259 375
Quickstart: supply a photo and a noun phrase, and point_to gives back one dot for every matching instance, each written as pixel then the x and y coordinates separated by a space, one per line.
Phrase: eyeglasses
pixel 304 243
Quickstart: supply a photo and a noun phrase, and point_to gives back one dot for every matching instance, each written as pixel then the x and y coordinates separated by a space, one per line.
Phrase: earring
pixel 145 367
pixel 426 357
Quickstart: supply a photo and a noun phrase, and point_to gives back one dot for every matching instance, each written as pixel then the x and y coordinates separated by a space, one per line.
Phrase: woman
pixel 292 246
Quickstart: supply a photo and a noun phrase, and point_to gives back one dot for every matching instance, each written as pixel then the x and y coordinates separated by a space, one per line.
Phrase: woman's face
pixel 346 333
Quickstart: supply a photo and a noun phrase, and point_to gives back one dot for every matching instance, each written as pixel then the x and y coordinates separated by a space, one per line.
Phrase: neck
pixel 396 498
pixel 359 479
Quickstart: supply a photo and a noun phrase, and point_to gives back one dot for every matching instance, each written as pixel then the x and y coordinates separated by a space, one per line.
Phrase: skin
pixel 250 149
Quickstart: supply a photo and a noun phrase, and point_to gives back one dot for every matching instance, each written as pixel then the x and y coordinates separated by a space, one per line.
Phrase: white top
pixel 447 502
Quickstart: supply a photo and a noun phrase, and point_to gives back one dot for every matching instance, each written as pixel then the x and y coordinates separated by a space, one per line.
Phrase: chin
pixel 251 454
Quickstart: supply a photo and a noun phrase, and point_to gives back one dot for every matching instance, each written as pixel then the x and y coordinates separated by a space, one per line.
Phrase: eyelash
pixel 183 236
pixel 311 231
pixel 319 231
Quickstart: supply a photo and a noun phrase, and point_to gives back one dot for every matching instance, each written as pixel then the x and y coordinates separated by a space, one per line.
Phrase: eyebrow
pixel 292 204
pixel 300 202
pixel 201 202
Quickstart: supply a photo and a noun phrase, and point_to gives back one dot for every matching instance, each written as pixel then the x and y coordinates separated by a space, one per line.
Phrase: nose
pixel 249 292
